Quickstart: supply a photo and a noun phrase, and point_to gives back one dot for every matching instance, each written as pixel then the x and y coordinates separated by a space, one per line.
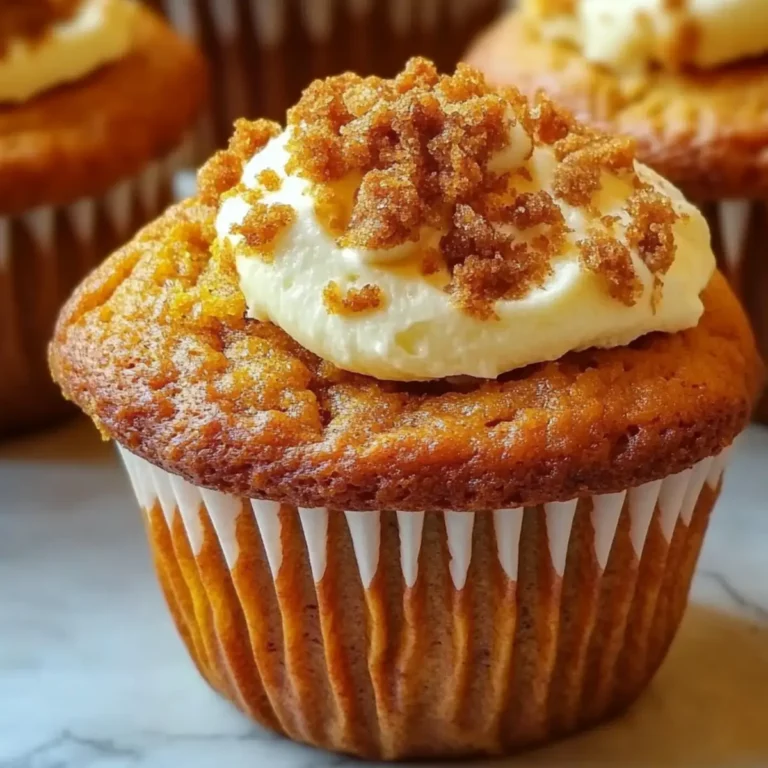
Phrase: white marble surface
pixel 93 676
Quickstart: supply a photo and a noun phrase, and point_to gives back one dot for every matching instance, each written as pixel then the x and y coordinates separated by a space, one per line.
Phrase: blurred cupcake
pixel 263 52
pixel 394 510
pixel 96 99
pixel 689 80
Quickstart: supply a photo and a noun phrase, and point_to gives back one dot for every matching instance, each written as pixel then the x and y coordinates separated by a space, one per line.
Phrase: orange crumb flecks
pixel 355 301
pixel 651 229
pixel 270 180
pixel 263 226
pixel 250 136
pixel 223 171
pixel 611 260
pixel 578 176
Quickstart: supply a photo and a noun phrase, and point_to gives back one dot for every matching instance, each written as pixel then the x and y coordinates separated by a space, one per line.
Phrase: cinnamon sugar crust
pixel 78 140
pixel 422 146
pixel 155 347
pixel 705 131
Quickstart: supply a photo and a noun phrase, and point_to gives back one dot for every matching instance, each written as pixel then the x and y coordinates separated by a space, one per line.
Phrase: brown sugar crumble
pixel 610 259
pixel 651 229
pixel 355 301
pixel 262 227
pixel 223 171
pixel 419 149
pixel 270 180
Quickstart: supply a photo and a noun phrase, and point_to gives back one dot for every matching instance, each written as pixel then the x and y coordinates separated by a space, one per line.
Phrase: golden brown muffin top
pixel 31 19
pixel 155 347
pixel 706 131
pixel 421 146
pixel 78 140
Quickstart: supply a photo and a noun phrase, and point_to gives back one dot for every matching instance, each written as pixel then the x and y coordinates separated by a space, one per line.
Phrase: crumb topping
pixel 651 229
pixel 354 301
pixel 263 226
pixel 578 176
pixel 611 260
pixel 223 171
pixel 270 180
pixel 31 19
pixel 419 149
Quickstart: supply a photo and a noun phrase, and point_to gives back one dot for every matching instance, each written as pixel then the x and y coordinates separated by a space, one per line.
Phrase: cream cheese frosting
pixel 635 34
pixel 100 32
pixel 419 333
pixel 600 288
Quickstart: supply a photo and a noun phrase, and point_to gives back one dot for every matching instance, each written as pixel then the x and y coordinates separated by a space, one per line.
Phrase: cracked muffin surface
pixel 156 348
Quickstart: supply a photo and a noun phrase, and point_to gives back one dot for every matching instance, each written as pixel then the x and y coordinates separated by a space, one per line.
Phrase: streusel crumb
pixel 392 159
pixel 611 260
pixel 354 301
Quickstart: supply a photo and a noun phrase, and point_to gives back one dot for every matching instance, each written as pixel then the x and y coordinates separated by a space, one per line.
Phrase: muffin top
pixel 635 35
pixel 214 345
pixel 45 43
pixel 686 79
pixel 32 19
pixel 86 106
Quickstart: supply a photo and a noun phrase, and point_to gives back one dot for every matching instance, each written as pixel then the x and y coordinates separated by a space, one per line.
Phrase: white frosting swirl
pixel 101 31
pixel 633 34
pixel 419 333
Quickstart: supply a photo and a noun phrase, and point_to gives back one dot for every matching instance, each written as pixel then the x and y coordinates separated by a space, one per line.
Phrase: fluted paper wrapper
pixel 404 634
pixel 44 253
pixel 740 240
pixel 265 52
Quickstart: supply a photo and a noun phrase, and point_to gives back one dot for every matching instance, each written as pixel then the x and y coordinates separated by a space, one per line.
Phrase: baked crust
pixel 155 348
pixel 707 132
pixel 104 128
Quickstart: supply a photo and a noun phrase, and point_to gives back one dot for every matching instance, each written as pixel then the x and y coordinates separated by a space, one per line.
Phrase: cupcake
pixel 252 44
pixel 426 399
pixel 688 80
pixel 89 138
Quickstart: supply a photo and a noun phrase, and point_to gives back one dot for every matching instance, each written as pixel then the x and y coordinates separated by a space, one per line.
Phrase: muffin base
pixel 405 634
pixel 739 236
pixel 44 254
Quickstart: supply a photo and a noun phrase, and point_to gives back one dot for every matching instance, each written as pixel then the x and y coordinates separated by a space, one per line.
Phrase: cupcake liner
pixel 410 634
pixel 44 253
pixel 739 236
pixel 252 44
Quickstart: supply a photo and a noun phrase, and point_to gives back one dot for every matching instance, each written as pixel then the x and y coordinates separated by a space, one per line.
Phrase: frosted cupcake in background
pixel 426 399
pixel 689 80
pixel 89 138
pixel 264 52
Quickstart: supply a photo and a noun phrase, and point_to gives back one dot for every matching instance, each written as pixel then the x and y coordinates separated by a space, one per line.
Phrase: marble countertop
pixel 93 676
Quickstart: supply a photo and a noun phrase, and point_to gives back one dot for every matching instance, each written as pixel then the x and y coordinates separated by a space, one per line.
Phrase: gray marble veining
pixel 93 676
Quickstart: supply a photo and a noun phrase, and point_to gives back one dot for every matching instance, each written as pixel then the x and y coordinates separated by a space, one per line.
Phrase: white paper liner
pixel 269 17
pixel 118 203
pixel 44 253
pixel 674 497
pixel 264 52
pixel 739 233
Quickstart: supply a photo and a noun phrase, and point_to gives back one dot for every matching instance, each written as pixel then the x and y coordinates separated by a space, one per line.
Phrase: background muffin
pixel 88 142
pixel 387 522
pixel 264 53
pixel 689 83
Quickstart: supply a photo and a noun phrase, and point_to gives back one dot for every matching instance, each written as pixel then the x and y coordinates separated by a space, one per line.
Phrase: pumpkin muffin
pixel 426 399
pixel 687 79
pixel 252 45
pixel 89 139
